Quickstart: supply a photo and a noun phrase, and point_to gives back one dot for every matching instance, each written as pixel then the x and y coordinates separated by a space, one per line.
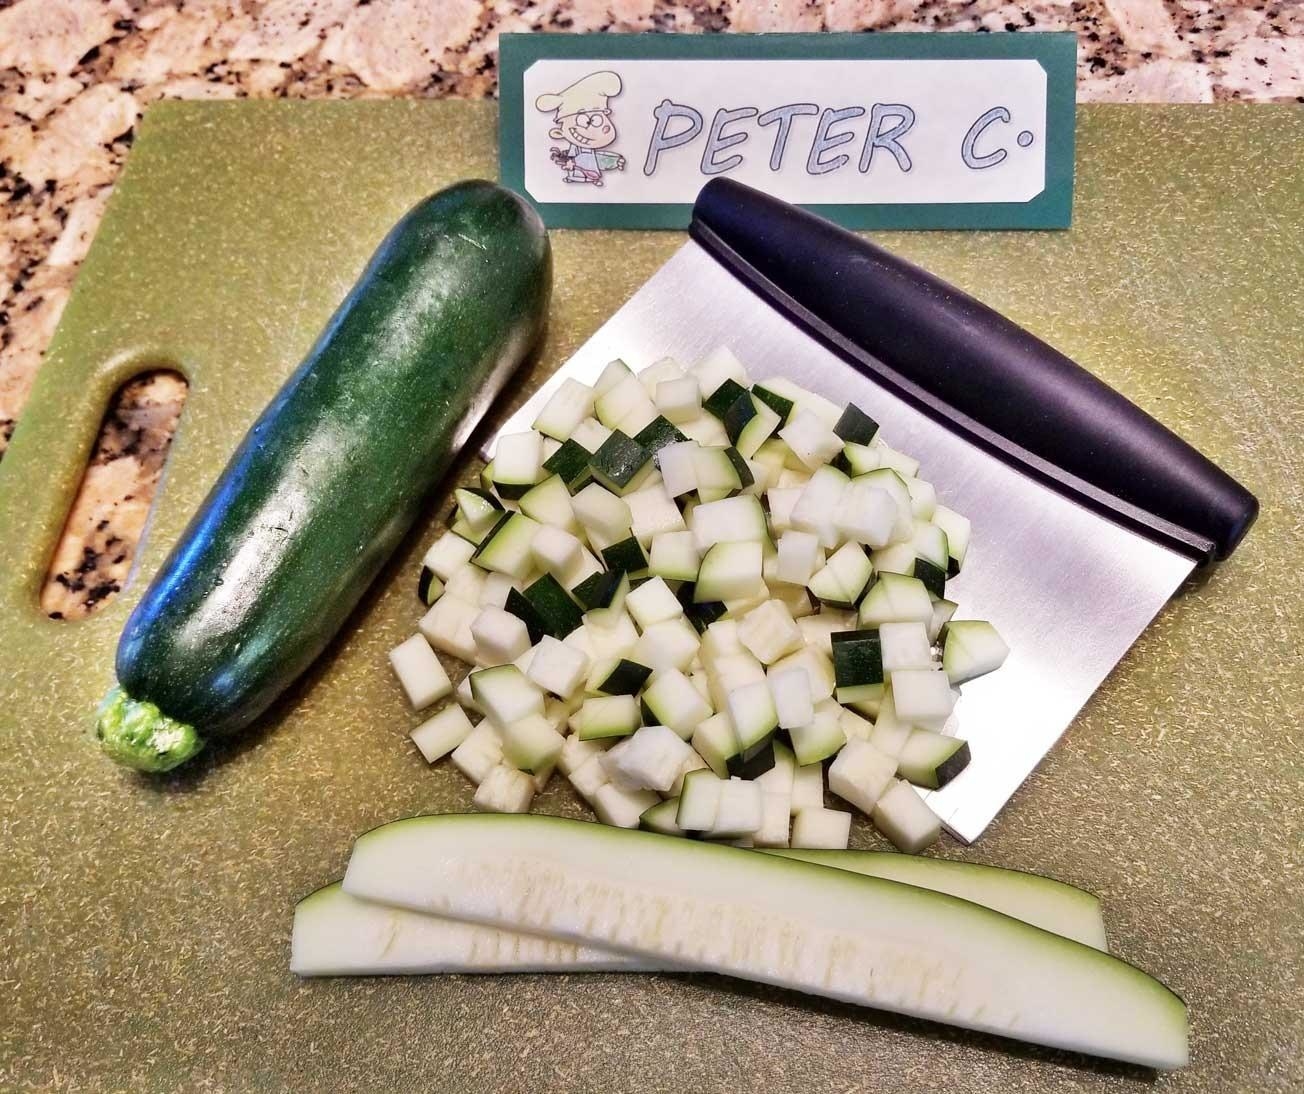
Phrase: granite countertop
pixel 75 76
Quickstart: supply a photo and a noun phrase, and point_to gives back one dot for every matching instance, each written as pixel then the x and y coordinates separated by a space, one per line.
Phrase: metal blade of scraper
pixel 1068 590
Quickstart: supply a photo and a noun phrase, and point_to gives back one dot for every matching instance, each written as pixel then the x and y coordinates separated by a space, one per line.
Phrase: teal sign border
pixel 1056 52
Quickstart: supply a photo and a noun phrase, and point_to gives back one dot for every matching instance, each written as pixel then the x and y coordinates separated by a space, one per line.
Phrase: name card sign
pixel 871 130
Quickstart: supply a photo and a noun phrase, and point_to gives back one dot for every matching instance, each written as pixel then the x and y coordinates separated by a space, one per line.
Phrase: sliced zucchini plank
pixel 777 921
pixel 1044 902
pixel 336 934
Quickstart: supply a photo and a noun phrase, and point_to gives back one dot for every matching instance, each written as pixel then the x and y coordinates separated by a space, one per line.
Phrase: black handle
pixel 980 374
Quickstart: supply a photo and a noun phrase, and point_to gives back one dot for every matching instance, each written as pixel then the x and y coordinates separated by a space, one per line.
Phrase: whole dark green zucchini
pixel 332 475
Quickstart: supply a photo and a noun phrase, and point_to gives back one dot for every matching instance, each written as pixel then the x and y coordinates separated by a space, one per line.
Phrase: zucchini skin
pixel 336 469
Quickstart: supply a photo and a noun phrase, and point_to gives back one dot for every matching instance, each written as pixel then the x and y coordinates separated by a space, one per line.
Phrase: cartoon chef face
pixel 585 128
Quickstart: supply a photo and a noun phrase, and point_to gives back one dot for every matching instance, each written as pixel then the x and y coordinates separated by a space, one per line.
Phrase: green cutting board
pixel 144 923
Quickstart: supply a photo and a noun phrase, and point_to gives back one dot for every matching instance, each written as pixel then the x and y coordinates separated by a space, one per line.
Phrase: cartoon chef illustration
pixel 583 120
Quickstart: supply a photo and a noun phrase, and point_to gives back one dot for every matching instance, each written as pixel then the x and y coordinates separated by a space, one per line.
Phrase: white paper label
pixel 808 131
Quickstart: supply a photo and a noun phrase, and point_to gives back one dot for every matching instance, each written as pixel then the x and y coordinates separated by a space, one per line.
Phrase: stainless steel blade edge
pixel 1069 590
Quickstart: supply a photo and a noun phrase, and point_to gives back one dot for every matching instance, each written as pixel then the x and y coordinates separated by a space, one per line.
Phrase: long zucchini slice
pixel 338 935
pixel 784 922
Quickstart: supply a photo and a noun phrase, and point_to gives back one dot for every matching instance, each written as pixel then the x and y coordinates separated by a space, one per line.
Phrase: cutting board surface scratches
pixel 144 925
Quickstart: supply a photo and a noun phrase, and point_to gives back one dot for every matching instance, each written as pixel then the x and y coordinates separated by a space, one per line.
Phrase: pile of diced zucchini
pixel 705 601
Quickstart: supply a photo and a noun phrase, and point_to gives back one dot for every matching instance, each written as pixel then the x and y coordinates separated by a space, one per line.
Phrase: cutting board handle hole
pixel 93 559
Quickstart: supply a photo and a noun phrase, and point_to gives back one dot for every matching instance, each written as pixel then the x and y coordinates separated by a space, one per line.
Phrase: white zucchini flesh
pixel 789 923
pixel 1044 902
pixel 339 935
pixel 336 934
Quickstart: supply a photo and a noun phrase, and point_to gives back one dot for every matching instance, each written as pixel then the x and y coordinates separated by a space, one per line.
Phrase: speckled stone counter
pixel 75 76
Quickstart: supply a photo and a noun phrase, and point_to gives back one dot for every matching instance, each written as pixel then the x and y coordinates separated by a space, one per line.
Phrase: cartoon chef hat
pixel 590 93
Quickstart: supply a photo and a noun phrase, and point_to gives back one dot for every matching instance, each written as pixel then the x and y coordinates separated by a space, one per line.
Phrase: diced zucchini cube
pixel 782 501
pixel 626 556
pixel 680 399
pixel 818 630
pixel 672 643
pixel 751 710
pixel 568 405
pixel 857 658
pixel 810 439
pixel 652 602
pixel 866 514
pixel 860 774
pixel 447 555
pixel 808 787
pixel 549 503
pixel 973 648
pixel 438 736
pixel 678 466
pixel 556 551
pixel 854 726
pixel 816 666
pixel 665 368
pixel 660 818
pixel 467 583
pixel 903 465
pixel 699 801
pixel 770 632
pixel 729 520
pixel 505 790
pixel 653 512
pixel 957 531
pixel 499 636
pixel 901 815
pixel 622 808
pixel 658 433
pixel 621 464
pixel 505 695
pixel 652 759
pixel 607 716
pixel 557 667
pixel 821 737
pixel 506 548
pixel 717 743
pixel 923 500
pixel 932 759
pixel 890 733
pixel 905 646
pixel 447 627
pixel 590 434
pixel 720 639
pixel 531 744
pixel 599 510
pixel 570 463
pixel 673 701
pixel 419 672
pixel 479 753
pixel 826 829
pixel 729 571
pixel 576 753
pixel 693 763
pixel 738 811
pixel 626 406
pixel 775 817
pixel 589 776
pixel 818 507
pixel 674 556
pixel 894 598
pixel 799 556
pixel 855 426
pixel 777 781
pixel 922 696
pixel 792 698
pixel 518 463
pixel 716 367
